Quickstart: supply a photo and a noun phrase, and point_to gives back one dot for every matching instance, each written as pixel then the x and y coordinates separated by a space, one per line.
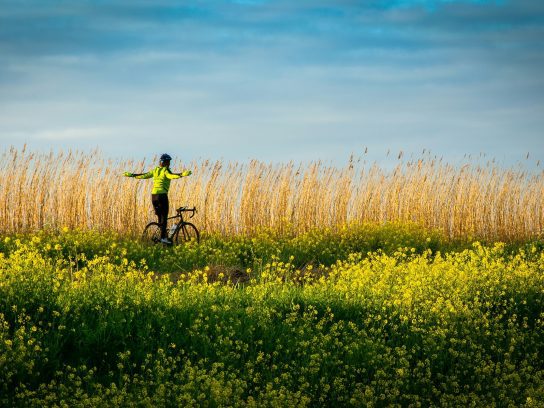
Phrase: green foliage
pixel 317 247
pixel 365 316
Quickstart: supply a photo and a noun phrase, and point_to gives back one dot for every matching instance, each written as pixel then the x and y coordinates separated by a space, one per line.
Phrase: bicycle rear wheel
pixel 187 233
pixel 152 233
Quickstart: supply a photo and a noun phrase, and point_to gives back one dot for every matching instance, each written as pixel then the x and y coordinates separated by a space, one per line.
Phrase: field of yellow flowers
pixel 368 315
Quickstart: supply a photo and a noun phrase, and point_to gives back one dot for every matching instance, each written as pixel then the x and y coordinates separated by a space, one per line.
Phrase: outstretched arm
pixel 147 175
pixel 184 173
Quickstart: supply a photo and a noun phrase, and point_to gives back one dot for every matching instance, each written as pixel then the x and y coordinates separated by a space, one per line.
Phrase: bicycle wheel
pixel 187 233
pixel 152 233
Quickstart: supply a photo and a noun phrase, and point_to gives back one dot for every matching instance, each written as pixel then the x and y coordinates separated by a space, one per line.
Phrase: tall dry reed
pixel 86 190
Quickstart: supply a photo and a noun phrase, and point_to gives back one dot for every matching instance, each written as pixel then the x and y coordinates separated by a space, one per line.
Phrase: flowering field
pixel 365 316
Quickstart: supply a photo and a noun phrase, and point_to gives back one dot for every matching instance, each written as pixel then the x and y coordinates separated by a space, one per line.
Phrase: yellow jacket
pixel 161 178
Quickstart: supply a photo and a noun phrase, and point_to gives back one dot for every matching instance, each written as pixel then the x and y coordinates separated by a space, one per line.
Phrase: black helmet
pixel 165 157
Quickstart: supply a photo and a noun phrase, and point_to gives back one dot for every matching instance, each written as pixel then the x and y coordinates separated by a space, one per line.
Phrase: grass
pixel 394 315
pixel 84 190
pixel 313 285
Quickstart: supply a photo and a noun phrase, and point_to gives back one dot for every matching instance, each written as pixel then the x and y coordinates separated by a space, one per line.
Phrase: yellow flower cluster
pixel 84 321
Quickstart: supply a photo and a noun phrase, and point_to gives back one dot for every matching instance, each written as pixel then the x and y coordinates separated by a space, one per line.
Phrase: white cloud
pixel 73 134
pixel 280 90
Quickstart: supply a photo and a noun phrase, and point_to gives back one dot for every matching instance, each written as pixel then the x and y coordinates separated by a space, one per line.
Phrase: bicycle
pixel 181 231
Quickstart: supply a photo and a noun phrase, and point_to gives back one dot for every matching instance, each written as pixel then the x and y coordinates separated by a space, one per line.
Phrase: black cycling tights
pixel 160 204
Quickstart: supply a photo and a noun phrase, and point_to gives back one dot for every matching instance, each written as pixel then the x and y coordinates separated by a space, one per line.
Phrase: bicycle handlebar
pixel 183 209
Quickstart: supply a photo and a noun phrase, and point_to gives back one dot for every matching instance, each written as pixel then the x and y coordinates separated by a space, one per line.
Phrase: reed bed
pixel 78 189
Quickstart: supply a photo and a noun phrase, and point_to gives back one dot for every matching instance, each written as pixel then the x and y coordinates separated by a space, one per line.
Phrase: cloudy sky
pixel 274 80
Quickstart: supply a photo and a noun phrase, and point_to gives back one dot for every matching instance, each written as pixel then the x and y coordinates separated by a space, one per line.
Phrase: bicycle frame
pixel 179 214
pixel 182 228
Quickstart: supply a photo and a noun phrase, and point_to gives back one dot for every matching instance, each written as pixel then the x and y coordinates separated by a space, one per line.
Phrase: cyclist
pixel 161 183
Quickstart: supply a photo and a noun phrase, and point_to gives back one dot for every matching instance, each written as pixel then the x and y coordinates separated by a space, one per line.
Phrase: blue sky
pixel 274 80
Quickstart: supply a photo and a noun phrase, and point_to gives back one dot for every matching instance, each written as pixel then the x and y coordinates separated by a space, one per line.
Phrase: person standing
pixel 161 184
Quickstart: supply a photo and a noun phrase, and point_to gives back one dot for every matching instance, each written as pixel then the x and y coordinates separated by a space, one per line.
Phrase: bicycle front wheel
pixel 152 233
pixel 187 233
